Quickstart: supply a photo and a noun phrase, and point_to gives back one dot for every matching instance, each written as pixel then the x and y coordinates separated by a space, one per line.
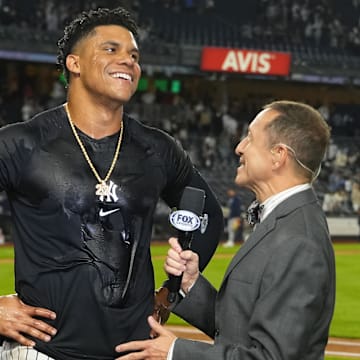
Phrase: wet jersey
pixel 84 257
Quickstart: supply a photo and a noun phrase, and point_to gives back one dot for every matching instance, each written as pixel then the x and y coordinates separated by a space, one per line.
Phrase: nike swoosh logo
pixel 108 212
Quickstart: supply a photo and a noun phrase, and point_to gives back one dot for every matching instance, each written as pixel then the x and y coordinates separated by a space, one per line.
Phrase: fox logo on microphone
pixel 184 220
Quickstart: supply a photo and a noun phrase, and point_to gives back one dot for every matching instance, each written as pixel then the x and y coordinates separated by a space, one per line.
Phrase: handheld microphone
pixel 186 220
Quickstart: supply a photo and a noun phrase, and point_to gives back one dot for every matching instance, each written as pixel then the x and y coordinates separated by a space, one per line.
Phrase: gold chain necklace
pixel 102 188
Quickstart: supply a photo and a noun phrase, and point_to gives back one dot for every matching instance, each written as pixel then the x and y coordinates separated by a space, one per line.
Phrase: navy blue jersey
pixel 84 257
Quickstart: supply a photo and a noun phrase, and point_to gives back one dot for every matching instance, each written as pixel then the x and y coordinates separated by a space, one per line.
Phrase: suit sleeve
pixel 198 307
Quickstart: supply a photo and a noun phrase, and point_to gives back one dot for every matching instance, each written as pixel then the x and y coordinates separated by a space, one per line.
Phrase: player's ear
pixel 73 64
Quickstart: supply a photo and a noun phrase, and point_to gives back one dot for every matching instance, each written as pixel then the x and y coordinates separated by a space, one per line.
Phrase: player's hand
pixel 17 320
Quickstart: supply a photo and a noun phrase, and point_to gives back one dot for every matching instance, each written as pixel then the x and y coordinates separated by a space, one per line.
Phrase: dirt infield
pixel 339 347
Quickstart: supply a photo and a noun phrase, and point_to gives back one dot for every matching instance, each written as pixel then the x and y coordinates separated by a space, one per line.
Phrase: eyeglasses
pixel 314 174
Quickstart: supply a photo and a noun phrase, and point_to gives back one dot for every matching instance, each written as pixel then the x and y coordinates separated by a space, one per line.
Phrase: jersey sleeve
pixel 182 173
pixel 13 151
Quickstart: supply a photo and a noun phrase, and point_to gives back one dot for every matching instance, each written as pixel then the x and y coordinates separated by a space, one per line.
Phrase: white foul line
pixel 341 353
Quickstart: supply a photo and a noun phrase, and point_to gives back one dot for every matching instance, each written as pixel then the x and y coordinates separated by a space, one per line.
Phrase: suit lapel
pixel 255 237
pixel 283 209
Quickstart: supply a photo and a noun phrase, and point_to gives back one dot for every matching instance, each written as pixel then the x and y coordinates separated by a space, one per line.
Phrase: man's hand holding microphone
pixel 182 262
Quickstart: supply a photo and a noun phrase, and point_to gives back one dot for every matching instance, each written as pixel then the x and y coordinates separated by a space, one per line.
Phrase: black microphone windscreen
pixel 193 199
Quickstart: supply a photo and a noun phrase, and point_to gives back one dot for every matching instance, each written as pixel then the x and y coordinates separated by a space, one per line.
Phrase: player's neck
pixel 95 119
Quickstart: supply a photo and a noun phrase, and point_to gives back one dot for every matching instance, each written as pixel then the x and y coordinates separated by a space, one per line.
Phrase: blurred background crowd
pixel 207 112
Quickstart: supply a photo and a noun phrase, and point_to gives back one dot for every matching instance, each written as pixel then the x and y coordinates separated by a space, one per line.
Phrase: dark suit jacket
pixel 277 297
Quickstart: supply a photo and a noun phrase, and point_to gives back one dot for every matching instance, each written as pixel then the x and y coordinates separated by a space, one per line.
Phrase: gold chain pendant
pixel 102 189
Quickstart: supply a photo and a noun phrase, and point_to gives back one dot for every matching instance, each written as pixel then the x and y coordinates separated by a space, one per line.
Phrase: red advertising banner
pixel 245 61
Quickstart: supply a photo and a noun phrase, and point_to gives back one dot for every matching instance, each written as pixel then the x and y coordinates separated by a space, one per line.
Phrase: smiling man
pixel 83 180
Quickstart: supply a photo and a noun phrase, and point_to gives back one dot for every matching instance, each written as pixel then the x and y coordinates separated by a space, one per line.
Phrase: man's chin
pixel 241 181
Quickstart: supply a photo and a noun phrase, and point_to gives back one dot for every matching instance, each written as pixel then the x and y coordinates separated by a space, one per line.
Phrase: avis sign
pixel 245 61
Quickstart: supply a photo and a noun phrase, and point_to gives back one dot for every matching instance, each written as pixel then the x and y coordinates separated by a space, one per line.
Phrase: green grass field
pixel 346 321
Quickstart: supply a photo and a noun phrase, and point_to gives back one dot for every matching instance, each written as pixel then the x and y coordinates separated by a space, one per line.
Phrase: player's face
pixel 108 63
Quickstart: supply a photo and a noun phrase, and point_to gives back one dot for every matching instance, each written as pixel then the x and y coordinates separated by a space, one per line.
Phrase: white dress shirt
pixel 273 201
